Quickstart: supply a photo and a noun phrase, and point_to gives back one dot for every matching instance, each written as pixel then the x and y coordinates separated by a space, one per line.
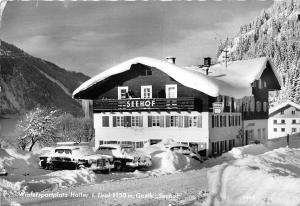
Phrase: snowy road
pixel 180 188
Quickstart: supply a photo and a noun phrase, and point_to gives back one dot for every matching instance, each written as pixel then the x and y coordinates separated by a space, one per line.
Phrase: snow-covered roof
pixel 234 81
pixel 243 72
pixel 282 105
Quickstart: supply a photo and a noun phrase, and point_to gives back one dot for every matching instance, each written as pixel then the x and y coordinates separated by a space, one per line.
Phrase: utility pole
pixel 226 56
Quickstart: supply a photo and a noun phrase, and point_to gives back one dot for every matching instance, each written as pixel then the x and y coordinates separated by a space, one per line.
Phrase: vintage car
pixel 75 157
pixel 184 149
pixel 125 157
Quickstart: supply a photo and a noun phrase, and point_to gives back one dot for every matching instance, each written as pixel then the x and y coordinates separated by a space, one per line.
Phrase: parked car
pixel 75 157
pixel 125 156
pixel 3 172
pixel 184 149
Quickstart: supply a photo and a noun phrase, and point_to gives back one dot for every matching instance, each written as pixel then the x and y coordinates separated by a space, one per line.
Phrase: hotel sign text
pixel 140 103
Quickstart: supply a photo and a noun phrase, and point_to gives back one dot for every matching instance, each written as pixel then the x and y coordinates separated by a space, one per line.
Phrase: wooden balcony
pixel 155 104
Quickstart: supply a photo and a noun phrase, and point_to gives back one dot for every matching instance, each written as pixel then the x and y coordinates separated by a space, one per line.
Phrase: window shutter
pixel 161 121
pixel 199 121
pixel 127 120
pixel 105 121
pixel 225 123
pixel 229 122
pixel 212 121
pixel 149 121
pixel 186 121
pixel 180 121
pixel 114 121
pixel 168 121
pixel 140 121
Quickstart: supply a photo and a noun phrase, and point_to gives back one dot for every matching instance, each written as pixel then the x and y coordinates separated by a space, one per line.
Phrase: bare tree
pixel 70 128
pixel 37 126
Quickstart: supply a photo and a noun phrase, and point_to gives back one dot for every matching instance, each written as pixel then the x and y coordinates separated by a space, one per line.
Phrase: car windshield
pixel 128 149
pixel 61 151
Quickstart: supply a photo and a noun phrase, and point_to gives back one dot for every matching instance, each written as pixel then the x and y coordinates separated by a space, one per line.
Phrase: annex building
pixel 284 119
pixel 214 108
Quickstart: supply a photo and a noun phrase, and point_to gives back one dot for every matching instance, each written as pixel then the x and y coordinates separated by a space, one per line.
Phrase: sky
pixel 91 37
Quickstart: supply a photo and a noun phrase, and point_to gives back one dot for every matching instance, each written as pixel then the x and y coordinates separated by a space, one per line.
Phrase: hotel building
pixel 214 108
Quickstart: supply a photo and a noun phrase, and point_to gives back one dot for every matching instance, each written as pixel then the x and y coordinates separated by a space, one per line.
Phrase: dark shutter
pixel 180 121
pixel 127 120
pixel 114 121
pixel 140 121
pixel 105 121
pixel 168 121
pixel 186 121
pixel 199 123
pixel 229 123
pixel 149 121
pixel 161 121
pixel 212 121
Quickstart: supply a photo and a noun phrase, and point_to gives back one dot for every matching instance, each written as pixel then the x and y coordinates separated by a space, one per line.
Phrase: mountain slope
pixel 274 33
pixel 27 81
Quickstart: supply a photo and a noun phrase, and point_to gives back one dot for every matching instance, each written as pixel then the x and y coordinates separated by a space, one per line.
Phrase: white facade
pixel 144 133
pixel 278 129
pixel 255 130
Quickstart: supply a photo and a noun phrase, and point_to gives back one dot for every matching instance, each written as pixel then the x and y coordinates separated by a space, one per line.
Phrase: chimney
pixel 171 59
pixel 207 63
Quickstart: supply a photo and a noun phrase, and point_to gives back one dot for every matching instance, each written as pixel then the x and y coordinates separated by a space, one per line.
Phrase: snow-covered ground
pixel 262 174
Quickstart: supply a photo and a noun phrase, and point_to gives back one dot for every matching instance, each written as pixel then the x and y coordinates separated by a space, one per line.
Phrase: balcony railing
pixel 155 104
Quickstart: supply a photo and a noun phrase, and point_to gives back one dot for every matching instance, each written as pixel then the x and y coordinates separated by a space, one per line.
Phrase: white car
pixel 125 156
pixel 184 149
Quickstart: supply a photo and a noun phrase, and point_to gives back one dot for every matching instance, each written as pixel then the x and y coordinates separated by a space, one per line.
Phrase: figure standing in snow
pixel 288 139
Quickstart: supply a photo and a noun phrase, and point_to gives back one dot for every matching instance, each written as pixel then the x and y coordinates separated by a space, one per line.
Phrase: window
pixel 171 91
pixel 275 129
pixel 275 121
pixel 282 121
pixel 212 121
pixel 282 111
pixel 265 107
pixel 105 121
pixel 294 121
pixel 294 129
pixel 174 121
pixel 146 92
pixel 136 121
pixel 193 121
pixel 293 112
pixel 118 121
pixel 259 133
pixel 258 106
pixel 265 84
pixel 139 144
pixel 122 92
pixel 283 129
pixel 155 121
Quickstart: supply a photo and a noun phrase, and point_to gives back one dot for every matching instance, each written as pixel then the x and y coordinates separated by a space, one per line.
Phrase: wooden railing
pixel 155 104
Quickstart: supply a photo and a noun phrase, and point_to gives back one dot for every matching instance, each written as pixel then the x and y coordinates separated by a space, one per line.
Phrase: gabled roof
pixel 282 105
pixel 231 81
pixel 243 72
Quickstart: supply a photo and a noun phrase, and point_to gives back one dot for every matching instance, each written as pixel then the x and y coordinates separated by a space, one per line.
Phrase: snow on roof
pixel 232 81
pixel 243 72
pixel 282 105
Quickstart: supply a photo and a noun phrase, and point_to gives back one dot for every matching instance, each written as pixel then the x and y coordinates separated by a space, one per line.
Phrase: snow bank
pixel 165 161
pixel 271 178
pixel 58 179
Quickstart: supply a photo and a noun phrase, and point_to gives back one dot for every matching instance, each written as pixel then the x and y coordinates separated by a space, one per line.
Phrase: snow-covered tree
pixel 37 126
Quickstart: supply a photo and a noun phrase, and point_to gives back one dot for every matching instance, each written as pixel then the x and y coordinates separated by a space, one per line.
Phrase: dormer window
pixel 122 92
pixel 146 92
pixel 171 91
